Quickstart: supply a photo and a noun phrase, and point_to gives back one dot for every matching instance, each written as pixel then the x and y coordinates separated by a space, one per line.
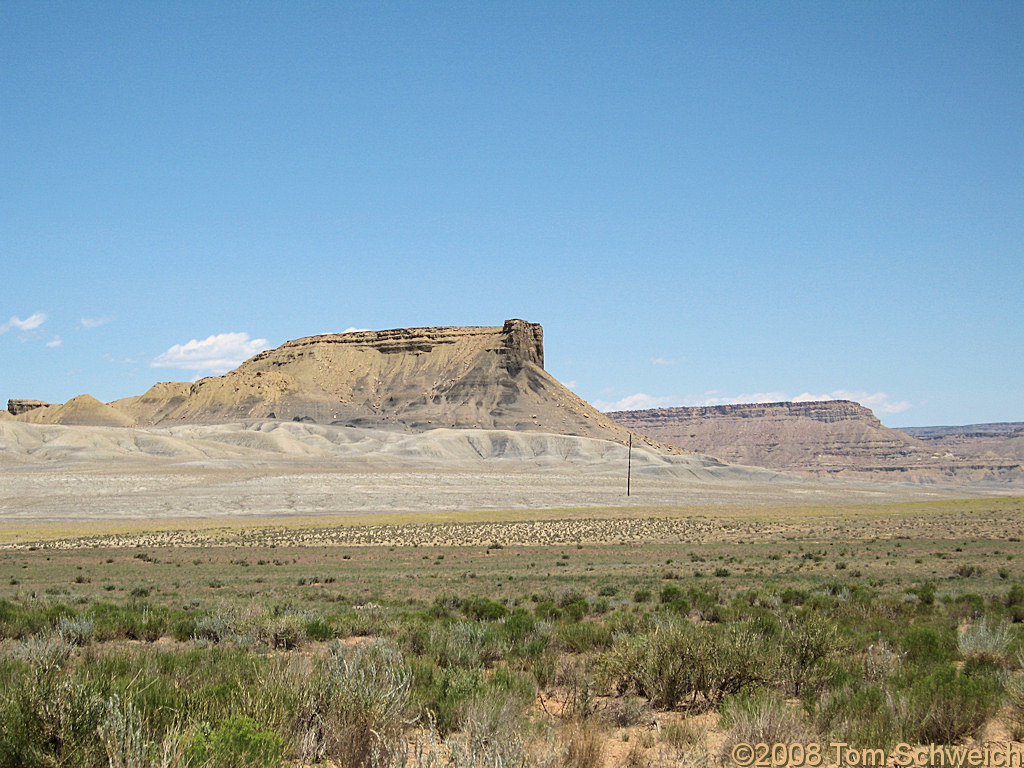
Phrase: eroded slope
pixel 836 438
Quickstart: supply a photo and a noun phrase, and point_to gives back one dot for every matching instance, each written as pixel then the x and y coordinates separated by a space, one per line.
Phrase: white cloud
pixel 666 360
pixel 30 323
pixel 355 330
pixel 880 402
pixel 712 398
pixel 56 341
pixel 95 322
pixel 636 402
pixel 214 355
pixel 877 401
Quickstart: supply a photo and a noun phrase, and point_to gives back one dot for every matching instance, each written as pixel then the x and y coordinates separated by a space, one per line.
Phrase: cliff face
pixel 1000 440
pixel 824 411
pixel 490 377
pixel 835 438
pixel 84 410
pixel 16 407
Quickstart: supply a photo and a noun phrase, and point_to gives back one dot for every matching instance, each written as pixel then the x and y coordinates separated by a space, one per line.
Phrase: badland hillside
pixel 414 379
pixel 835 438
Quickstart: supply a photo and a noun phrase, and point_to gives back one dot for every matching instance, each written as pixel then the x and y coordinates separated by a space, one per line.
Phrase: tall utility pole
pixel 629 462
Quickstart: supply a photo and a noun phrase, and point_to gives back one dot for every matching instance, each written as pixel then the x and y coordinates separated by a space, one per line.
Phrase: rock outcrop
pixel 488 377
pixel 16 407
pixel 84 410
pixel 999 440
pixel 836 438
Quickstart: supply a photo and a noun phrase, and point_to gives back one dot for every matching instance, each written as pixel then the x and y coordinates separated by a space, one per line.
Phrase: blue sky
pixel 701 202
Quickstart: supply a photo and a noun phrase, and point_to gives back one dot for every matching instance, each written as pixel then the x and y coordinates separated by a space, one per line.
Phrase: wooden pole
pixel 629 462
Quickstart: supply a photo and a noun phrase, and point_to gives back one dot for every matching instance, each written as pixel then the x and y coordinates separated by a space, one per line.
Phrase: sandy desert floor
pixel 67 475
pixel 350 534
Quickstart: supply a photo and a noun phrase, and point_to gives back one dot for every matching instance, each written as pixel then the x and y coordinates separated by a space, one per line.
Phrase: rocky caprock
pixel 488 377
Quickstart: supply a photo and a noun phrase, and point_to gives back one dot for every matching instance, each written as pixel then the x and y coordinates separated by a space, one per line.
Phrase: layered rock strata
pixel 415 379
pixel 836 438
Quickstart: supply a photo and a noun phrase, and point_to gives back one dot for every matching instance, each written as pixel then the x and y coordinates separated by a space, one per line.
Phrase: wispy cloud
pixel 876 401
pixel 30 323
pixel 95 322
pixel 56 341
pixel 214 355
pixel 666 360
pixel 880 402
pixel 713 398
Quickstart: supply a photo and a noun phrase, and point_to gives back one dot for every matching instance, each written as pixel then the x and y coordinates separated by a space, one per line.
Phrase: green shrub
pixel 367 621
pixel 546 610
pixel 927 646
pixel 571 596
pixel 584 636
pixel 617 670
pixel 678 660
pixel 1015 707
pixel 808 639
pixel 575 611
pixel 50 716
pixel 513 684
pixel 1014 596
pixel 237 742
pixel 982 642
pixel 18 621
pixel 464 644
pixel 355 707
pixel 319 629
pixel 733 658
pixel 680 605
pixel 662 666
pixel 76 630
pixel 880 662
pixel 134 621
pixel 793 596
pixel 483 609
pixel 519 625
pixel 925 593
pixel 670 593
pixel 763 718
pixel 126 740
pixel 947 708
pixel 864 716
pixel 490 734
pixel 440 695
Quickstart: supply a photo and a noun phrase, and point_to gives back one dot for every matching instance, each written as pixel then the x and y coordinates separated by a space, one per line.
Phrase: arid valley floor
pixel 268 594
pixel 415 548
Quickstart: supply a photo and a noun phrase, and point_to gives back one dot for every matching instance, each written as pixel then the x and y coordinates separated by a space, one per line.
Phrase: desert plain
pixel 416 548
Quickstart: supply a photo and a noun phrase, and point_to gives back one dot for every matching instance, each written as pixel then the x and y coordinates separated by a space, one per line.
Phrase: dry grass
pixel 361 578
pixel 524 527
